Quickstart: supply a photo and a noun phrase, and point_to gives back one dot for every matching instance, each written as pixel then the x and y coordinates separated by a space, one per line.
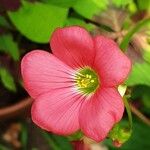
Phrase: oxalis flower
pixel 75 88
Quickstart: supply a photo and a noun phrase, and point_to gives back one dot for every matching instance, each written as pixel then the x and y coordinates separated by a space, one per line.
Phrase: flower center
pixel 87 80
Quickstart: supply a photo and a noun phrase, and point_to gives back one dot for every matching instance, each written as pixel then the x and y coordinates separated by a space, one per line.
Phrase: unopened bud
pixel 119 135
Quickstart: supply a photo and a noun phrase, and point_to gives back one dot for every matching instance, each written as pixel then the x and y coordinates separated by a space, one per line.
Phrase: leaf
pixel 75 136
pixel 143 5
pixel 75 21
pixel 24 136
pixel 139 74
pixel 7 80
pixel 51 143
pixel 3 22
pixel 132 7
pixel 63 142
pixel 63 3
pixel 9 46
pixel 146 55
pixel 122 3
pixel 57 142
pixel 142 93
pixel 146 102
pixel 90 8
pixel 37 21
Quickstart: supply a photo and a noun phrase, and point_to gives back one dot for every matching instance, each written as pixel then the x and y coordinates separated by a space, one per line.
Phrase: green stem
pixel 24 136
pixel 129 35
pixel 127 106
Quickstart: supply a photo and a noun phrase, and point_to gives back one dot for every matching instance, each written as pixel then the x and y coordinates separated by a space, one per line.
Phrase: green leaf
pixel 62 3
pixel 89 8
pixel 146 103
pixel 132 7
pixel 4 22
pixel 75 21
pixel 52 144
pixel 142 93
pixel 37 21
pixel 75 136
pixel 122 3
pixel 7 79
pixel 9 46
pixel 146 55
pixel 63 142
pixel 24 136
pixel 139 74
pixel 129 35
pixel 139 91
pixel 143 4
pixel 57 142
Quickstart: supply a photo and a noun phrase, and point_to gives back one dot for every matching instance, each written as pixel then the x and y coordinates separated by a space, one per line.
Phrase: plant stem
pixel 139 114
pixel 129 35
pixel 128 109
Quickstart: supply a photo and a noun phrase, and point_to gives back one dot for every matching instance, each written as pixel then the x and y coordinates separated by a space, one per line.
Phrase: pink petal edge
pixel 42 72
pixel 99 114
pixel 111 63
pixel 57 111
pixel 73 45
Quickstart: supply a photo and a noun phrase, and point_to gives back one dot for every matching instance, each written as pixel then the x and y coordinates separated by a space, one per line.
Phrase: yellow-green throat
pixel 87 80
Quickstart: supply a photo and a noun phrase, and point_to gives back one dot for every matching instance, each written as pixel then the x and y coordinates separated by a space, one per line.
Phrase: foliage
pixel 139 74
pixel 8 45
pixel 94 7
pixel 37 21
pixel 7 79
pixel 62 3
pixel 128 37
pixel 30 25
pixel 120 3
pixel 75 21
pixel 57 142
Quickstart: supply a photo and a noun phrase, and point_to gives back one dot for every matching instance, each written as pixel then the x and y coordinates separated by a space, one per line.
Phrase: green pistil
pixel 87 80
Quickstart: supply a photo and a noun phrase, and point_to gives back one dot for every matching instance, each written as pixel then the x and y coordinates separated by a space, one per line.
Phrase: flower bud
pixel 119 135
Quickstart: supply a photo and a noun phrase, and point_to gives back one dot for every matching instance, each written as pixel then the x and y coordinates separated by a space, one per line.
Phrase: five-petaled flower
pixel 75 88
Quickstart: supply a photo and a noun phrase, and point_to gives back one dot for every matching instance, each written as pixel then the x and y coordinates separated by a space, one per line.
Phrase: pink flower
pixel 76 86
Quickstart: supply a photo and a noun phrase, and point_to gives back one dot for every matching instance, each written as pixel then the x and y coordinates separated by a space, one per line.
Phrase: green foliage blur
pixel 126 21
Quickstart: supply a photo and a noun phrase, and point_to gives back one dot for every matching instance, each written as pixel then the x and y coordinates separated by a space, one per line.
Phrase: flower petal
pixel 112 65
pixel 73 45
pixel 58 111
pixel 98 115
pixel 42 72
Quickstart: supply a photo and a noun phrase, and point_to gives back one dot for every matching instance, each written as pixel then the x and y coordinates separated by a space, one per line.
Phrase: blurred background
pixel 26 25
